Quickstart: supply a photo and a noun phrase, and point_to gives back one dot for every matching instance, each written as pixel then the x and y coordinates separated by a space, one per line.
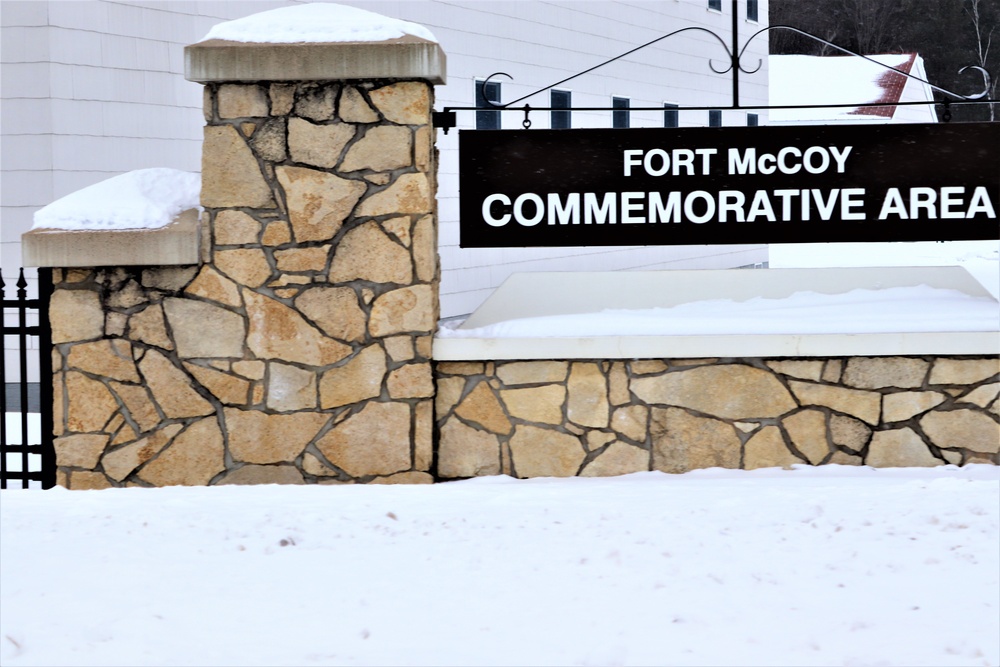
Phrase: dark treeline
pixel 948 34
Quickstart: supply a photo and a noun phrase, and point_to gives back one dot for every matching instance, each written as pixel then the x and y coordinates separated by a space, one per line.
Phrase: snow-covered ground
pixel 814 566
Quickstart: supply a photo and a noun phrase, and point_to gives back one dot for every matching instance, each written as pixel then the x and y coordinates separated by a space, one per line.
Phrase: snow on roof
pixel 796 79
pixel 143 199
pixel 317 22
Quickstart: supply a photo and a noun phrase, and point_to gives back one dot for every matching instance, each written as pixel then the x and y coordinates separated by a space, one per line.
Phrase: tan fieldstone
pixel 192 459
pixel 251 369
pixel 982 396
pixel 335 310
pixel 467 452
pixel 139 404
pixel 425 248
pixel 879 372
pixel 114 324
pixel 190 320
pixel 120 463
pixel 354 108
pixel 424 346
pixel 595 440
pixel 702 361
pixel 409 194
pixel 807 430
pixel 235 228
pixel 400 229
pixel 461 368
pixel 833 370
pixel 449 390
pixel 277 233
pixel 367 253
pixel 75 315
pixel 374 441
pixel 168 278
pixel 302 259
pixel 408 309
pixel 536 404
pixel 105 358
pixel 212 285
pixel 953 458
pixel 242 101
pixel 84 480
pixel 542 452
pixel 382 148
pixel 317 145
pixel 311 465
pixel 411 381
pixel 316 101
pixel 647 366
pixel 408 477
pixel 683 442
pixel 618 393
pixel 631 421
pixel 729 391
pixel 965 429
pixel 79 450
pixel 269 141
pixel 58 403
pixel 404 103
pixel 746 427
pixel 531 372
pixel 849 432
pixel 229 389
pixel 258 437
pixel 618 459
pixel 91 404
pixel 844 459
pixel 798 368
pixel 171 388
pixel 127 296
pixel 247 266
pixel 766 449
pixel 587 404
pixel 282 98
pixel 358 380
pixel 987 460
pixel 318 202
pixel 230 173
pixel 261 474
pixel 423 148
pixel 963 371
pixel 865 405
pixel 257 394
pixel 899 448
pixel 482 407
pixel 902 405
pixel 399 348
pixel 423 435
pixel 290 388
pixel 207 104
pixel 279 332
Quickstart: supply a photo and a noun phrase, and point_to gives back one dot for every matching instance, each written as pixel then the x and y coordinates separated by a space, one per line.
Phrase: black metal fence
pixel 26 451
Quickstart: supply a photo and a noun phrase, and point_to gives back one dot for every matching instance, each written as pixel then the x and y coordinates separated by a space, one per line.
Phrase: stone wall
pixel 599 418
pixel 299 350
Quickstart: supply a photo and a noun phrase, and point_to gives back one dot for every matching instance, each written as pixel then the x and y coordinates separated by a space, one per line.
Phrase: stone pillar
pixel 299 349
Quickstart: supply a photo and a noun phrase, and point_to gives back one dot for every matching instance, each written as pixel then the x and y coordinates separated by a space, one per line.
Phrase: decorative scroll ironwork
pixel 447 118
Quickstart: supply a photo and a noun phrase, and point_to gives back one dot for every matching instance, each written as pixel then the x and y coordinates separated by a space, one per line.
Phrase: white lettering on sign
pixel 949 203
pixel 658 162
pixel 789 160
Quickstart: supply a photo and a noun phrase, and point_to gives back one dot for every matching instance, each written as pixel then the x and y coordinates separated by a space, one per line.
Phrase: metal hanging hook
pixel 526 123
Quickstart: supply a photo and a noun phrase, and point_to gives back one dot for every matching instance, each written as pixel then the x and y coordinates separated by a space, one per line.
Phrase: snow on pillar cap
pixel 316 42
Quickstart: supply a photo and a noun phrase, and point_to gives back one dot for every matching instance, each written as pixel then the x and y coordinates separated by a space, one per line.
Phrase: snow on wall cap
pixel 143 199
pixel 316 23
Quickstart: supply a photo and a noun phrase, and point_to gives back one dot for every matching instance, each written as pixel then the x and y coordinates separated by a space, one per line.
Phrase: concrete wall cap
pixel 177 243
pixel 406 57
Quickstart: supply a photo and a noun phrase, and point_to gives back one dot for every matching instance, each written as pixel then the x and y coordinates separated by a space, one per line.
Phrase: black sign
pixel 651 186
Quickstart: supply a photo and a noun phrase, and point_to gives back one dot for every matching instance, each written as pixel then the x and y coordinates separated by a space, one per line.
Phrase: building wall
pixel 95 88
